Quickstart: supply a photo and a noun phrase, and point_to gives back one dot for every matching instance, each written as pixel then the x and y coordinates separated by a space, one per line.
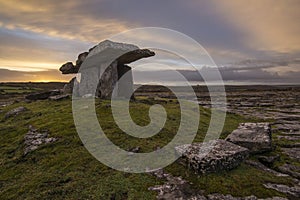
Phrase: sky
pixel 252 41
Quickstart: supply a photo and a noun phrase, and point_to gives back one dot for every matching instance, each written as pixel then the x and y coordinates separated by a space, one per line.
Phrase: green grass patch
pixel 66 170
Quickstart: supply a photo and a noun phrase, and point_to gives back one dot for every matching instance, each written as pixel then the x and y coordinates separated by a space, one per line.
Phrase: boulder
pixel 213 156
pixel 291 170
pixel 293 192
pixel 254 136
pixel 15 112
pixel 42 95
pixel 293 153
pixel 33 139
pixel 262 167
pixel 59 97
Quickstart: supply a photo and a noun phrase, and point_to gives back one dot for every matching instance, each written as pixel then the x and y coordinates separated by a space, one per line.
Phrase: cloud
pixel 23 50
pixel 38 35
pixel 252 76
pixel 266 25
pixel 247 71
pixel 41 76
pixel 64 19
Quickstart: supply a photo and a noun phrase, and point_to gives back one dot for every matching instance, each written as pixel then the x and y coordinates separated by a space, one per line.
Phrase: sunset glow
pixel 39 36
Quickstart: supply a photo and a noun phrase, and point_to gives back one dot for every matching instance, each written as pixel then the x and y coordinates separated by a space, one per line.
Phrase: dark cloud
pixel 28 46
pixel 250 75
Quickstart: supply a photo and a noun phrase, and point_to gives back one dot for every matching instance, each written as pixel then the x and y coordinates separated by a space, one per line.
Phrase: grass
pixel 4 90
pixel 65 169
pixel 242 181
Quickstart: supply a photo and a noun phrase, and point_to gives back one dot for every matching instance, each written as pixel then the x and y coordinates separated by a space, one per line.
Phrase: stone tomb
pixel 100 70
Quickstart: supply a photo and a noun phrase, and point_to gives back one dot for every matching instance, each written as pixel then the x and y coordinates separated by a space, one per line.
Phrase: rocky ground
pixel 272 145
pixel 279 105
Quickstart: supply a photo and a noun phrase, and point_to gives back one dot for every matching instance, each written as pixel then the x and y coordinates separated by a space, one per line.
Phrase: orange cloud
pixel 267 25
pixel 58 19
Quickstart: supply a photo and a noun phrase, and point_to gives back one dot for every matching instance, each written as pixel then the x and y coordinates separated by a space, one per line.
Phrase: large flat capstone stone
pixel 213 156
pixel 257 137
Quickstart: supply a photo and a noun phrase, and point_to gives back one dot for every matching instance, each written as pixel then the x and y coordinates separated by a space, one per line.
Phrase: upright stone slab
pixel 256 137
pixel 99 72
pixel 213 156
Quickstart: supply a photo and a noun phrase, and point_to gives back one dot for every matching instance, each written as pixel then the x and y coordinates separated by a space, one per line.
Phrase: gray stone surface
pixel 268 160
pixel 33 139
pixel 179 189
pixel 262 167
pixel 15 112
pixel 213 156
pixel 68 88
pixel 291 170
pixel 174 188
pixel 69 68
pixel 59 97
pixel 254 136
pixel 292 191
pixel 229 197
pixel 293 153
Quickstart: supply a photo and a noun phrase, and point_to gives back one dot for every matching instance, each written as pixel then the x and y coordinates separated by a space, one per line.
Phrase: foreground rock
pixel 229 197
pixel 291 191
pixel 178 188
pixel 42 95
pixel 59 97
pixel 254 136
pixel 15 112
pixel 291 170
pixel 174 188
pixel 34 139
pixel 222 155
pixel 262 167
pixel 293 153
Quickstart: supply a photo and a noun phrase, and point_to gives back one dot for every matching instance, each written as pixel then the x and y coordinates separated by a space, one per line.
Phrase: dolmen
pixel 99 70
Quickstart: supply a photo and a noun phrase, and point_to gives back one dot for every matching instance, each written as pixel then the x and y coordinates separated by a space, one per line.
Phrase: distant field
pixel 20 90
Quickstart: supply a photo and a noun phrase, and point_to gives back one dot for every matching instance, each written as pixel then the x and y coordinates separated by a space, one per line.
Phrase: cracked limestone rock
pixel 213 156
pixel 254 136
pixel 34 139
